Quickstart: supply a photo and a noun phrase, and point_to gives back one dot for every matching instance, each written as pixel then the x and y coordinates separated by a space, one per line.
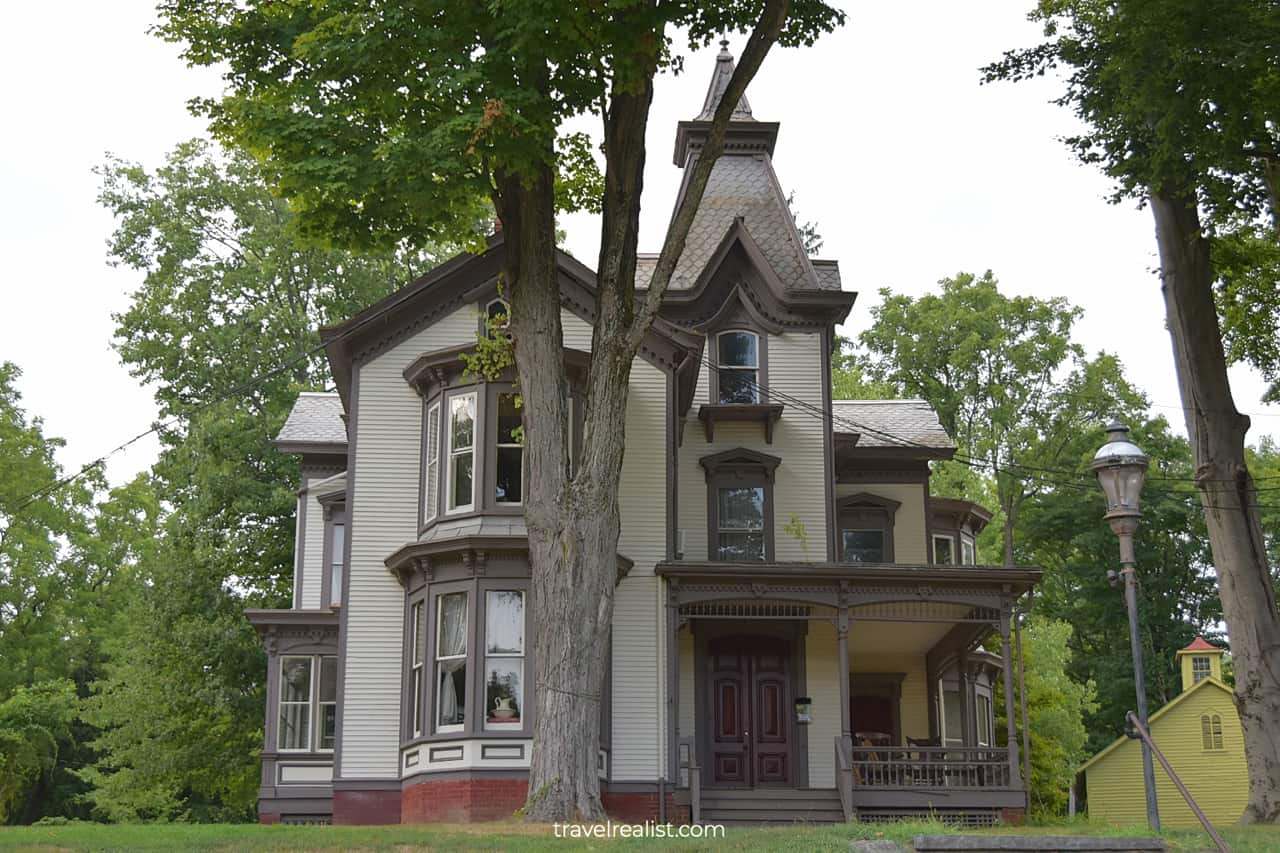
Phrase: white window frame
pixel 417 662
pixel 454 454
pixel 968 551
pixel 321 703
pixel 506 306
pixel 514 725
pixel 754 369
pixel 1199 675
pixel 315 669
pixel 951 540
pixel 466 647
pixel 986 720
pixel 431 471
pixel 499 445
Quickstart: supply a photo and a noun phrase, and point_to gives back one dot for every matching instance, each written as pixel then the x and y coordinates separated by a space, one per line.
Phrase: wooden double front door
pixel 749 690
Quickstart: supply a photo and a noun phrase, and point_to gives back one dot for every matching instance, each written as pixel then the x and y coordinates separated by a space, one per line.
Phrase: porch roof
pixel 1018 579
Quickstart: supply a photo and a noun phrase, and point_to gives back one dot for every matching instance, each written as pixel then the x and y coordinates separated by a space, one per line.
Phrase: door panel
pixel 750 692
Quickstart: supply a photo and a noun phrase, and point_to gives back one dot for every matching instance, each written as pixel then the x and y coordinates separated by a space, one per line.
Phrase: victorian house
pixel 799 623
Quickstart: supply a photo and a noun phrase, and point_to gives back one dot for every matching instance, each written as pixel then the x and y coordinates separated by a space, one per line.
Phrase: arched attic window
pixel 497 314
pixel 737 366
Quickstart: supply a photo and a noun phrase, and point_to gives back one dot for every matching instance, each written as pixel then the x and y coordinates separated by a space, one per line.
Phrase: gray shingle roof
pixel 891 423
pixel 719 82
pixel 316 419
pixel 744 185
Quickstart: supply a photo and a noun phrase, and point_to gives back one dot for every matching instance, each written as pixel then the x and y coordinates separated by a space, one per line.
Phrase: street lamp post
pixel 1121 468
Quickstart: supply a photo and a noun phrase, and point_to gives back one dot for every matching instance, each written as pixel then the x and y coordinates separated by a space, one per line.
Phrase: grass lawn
pixel 518 837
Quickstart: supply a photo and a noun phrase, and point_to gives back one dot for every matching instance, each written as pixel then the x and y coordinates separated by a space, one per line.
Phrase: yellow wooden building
pixel 1199 732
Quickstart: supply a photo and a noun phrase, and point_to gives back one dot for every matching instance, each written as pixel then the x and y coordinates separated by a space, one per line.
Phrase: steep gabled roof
pixel 1204 684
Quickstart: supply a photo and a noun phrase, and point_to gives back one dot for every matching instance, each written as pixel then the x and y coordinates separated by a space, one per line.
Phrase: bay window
pixel 307 703
pixel 738 367
pixel 431 472
pixel 451 661
pixel 944 553
pixel 337 552
pixel 967 555
pixel 509 452
pixel 417 622
pixel 504 659
pixel 462 438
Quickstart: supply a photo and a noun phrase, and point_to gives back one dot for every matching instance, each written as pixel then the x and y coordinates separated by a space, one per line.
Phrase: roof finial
pixel 719 82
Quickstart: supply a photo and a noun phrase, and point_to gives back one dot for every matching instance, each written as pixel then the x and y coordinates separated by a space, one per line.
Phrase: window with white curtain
pixel 504 658
pixel 451 661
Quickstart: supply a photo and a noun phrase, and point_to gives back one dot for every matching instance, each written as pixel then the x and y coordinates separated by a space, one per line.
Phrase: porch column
pixel 966 694
pixel 842 633
pixel 1006 652
pixel 673 683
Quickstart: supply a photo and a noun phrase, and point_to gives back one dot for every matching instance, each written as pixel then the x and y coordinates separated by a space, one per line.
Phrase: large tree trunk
pixel 1217 431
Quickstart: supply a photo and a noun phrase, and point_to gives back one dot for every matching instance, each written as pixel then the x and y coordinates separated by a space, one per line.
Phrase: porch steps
pixel 754 807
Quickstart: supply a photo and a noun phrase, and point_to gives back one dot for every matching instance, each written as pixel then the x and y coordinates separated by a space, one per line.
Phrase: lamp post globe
pixel 1121 469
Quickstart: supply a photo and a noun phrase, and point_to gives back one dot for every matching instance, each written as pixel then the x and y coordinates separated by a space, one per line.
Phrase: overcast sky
pixel 911 170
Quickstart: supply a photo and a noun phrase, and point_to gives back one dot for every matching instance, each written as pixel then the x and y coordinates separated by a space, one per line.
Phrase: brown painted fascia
pixel 1018 578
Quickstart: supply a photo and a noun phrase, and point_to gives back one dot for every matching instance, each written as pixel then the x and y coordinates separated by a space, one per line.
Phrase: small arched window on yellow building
pixel 1211 731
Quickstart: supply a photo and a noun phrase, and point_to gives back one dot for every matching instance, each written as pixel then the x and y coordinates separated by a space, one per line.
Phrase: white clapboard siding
pixel 313 546
pixel 638 653
pixel 384 510
pixel 688 725
pixel 795 367
pixel 909 532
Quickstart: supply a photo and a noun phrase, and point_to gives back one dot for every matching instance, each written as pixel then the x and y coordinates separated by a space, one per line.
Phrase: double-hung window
pixel 308 703
pixel 417 621
pixel 1200 668
pixel 462 452
pixel 504 659
pixel 738 367
pixel 451 662
pixel 967 555
pixel 741 523
pixel 509 465
pixel 984 721
pixel 431 503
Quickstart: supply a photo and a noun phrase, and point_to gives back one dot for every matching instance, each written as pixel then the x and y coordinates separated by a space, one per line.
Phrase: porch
pixel 840 692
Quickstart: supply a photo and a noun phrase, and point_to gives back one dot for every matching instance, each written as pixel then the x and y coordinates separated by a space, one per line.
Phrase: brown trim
pixel 766 414
pixel 739 467
pixel 300 545
pixel 736 322
pixel 353 422
pixel 334 512
pixel 869 510
pixel 673 477
pixel 828 447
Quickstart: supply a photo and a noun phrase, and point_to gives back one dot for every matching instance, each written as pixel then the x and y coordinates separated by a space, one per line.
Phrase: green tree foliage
pixel 1057 706
pixel 1062 532
pixel 1010 386
pixel 34 721
pixel 849 377
pixel 223 326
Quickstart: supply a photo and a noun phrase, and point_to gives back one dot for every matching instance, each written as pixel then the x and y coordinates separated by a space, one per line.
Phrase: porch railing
pixel 930 767
pixel 844 777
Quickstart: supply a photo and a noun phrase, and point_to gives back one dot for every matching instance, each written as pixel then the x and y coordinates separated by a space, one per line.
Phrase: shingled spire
pixel 720 82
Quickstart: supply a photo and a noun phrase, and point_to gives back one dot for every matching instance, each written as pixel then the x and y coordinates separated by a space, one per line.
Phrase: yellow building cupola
pixel 1199 661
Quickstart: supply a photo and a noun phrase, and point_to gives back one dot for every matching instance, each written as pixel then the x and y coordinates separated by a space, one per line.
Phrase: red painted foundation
pixel 1013 817
pixel 366 807
pixel 268 818
pixel 633 807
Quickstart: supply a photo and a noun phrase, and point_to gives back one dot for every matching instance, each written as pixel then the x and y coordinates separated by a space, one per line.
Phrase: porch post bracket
pixel 842 637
